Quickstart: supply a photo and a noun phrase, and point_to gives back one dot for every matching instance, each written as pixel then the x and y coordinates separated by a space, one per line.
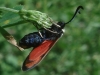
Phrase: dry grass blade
pixel 9 38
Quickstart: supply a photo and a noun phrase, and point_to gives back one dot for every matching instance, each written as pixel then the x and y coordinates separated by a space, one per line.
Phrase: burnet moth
pixel 42 45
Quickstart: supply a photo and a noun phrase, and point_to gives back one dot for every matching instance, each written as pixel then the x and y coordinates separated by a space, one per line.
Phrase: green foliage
pixel 76 53
pixel 36 17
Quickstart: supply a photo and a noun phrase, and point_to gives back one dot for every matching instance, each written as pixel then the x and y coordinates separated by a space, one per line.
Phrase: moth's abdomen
pixel 34 39
pixel 31 40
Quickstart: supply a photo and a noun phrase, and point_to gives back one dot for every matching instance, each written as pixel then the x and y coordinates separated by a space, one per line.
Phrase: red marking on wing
pixel 37 54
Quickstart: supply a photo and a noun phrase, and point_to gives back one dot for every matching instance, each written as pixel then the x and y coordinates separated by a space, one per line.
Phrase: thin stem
pixel 9 9
pixel 14 24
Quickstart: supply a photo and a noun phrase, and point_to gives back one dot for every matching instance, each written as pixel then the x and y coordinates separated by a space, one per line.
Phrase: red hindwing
pixel 37 54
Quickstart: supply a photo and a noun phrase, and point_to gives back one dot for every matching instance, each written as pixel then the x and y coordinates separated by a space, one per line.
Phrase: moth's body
pixel 41 45
pixel 34 39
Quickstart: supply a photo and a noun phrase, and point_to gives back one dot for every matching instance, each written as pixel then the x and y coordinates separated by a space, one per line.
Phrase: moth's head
pixel 61 24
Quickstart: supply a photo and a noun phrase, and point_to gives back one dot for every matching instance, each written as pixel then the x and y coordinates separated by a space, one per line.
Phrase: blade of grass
pixel 14 24
pixel 9 38
pixel 9 9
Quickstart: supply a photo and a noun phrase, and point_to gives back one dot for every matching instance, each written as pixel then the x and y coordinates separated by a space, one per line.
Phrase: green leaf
pixel 13 24
pixel 9 17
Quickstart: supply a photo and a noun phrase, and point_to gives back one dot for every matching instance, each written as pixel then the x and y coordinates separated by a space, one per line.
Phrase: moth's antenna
pixel 77 11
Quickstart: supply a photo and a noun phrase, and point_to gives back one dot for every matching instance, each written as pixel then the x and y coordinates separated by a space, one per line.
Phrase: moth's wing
pixel 37 54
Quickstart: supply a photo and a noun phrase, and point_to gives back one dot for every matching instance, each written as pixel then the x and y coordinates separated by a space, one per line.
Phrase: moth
pixel 42 45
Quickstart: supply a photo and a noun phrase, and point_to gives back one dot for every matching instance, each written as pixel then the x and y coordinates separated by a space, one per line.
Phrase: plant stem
pixel 9 9
pixel 14 24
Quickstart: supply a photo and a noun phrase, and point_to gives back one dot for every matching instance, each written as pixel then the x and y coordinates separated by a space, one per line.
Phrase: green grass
pixel 76 53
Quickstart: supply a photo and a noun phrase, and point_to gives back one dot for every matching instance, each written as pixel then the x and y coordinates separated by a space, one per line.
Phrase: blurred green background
pixel 76 53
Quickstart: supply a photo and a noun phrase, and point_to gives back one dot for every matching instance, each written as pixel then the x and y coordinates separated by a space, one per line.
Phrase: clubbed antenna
pixel 77 11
